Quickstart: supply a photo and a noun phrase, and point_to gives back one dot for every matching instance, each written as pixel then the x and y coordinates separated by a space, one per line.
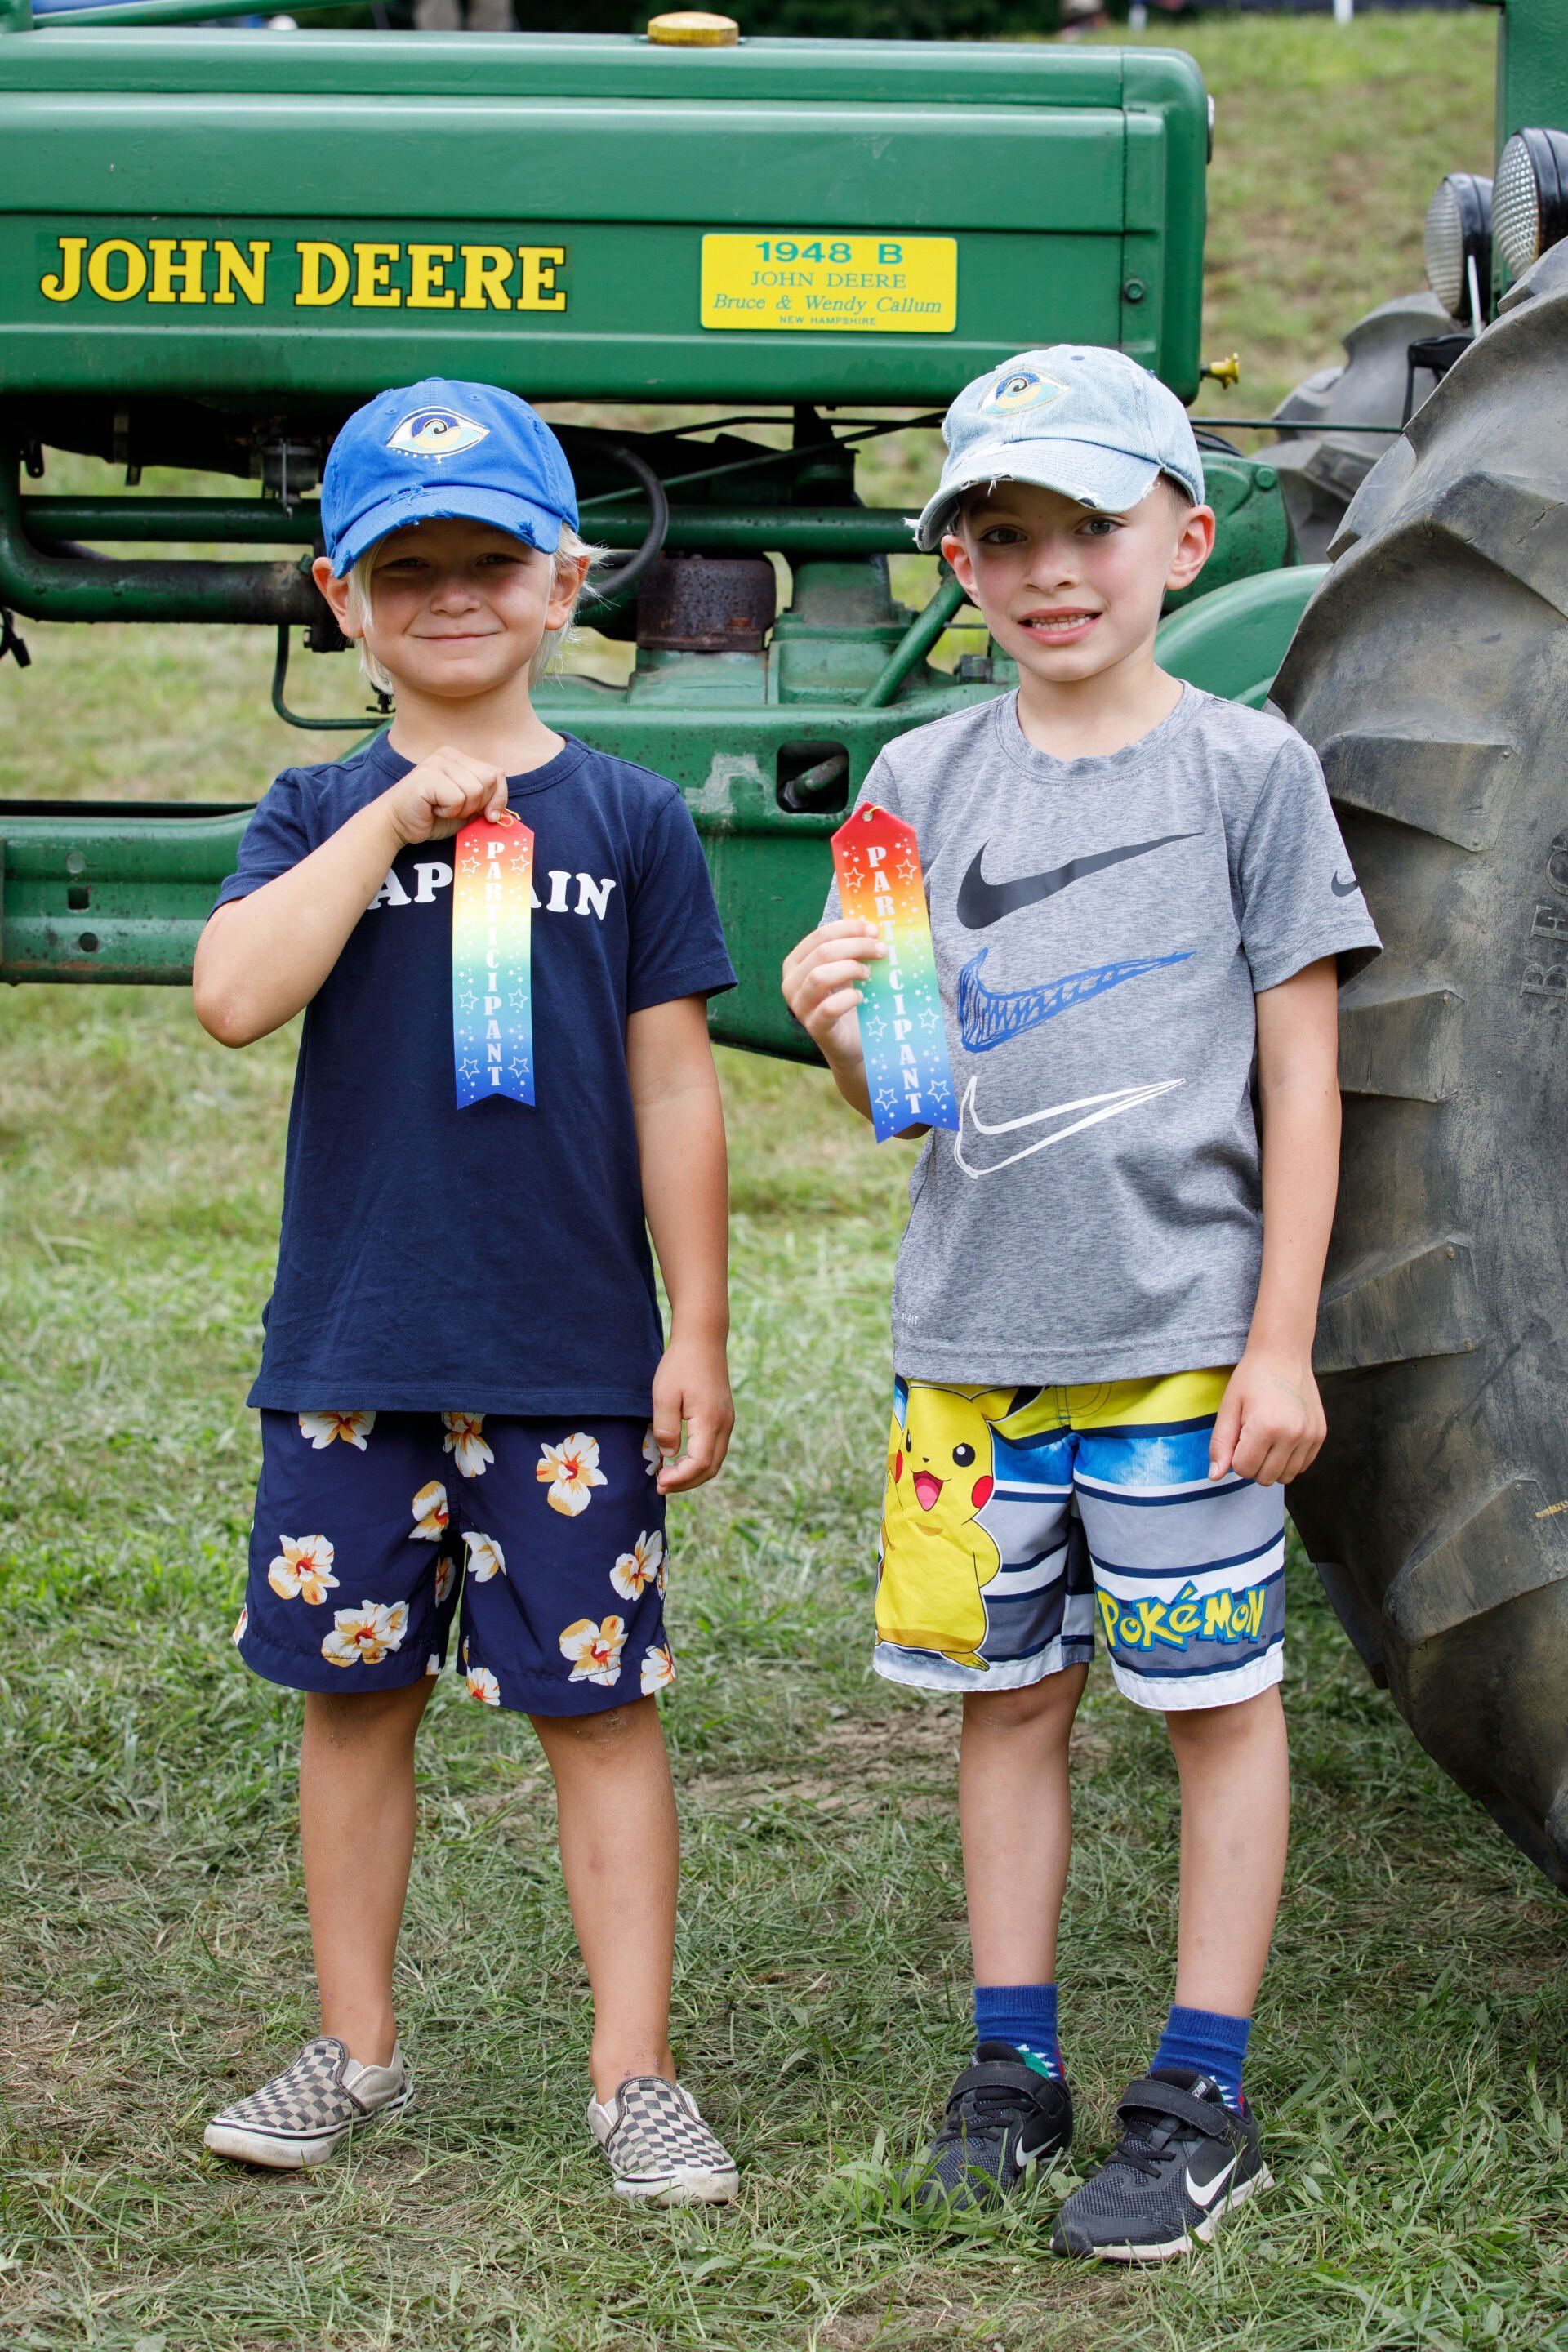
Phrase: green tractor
pixel 217 242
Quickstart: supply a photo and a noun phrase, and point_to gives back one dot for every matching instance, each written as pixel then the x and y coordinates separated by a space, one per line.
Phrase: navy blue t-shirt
pixel 492 1259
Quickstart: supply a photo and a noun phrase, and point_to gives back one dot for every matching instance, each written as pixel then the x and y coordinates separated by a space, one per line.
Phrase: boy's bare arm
pixel 1271 1421
pixel 685 1197
pixel 262 958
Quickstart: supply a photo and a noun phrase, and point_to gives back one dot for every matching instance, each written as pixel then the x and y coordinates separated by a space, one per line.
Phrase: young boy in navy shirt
pixel 470 1417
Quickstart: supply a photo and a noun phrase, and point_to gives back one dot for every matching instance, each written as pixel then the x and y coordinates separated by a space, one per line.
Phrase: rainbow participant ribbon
pixel 492 1015
pixel 907 1073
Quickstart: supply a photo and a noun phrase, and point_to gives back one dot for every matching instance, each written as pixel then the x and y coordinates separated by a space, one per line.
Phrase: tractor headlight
pixel 1531 210
pixel 1459 244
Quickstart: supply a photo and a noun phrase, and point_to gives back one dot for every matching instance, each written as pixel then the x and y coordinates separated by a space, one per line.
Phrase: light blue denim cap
pixel 1075 417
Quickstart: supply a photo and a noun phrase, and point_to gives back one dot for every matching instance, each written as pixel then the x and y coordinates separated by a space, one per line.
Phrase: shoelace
pixel 981 2107
pixel 1171 2113
pixel 1143 2148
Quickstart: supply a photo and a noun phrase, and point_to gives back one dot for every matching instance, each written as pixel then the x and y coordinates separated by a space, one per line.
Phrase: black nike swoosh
pixel 1346 890
pixel 981 903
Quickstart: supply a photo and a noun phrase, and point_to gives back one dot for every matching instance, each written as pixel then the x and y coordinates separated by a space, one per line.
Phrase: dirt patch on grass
pixel 849 1768
pixel 852 1766
pixel 1048 2309
pixel 35 2042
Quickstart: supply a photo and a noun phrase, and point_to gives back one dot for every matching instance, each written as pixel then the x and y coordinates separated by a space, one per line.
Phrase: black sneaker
pixel 1184 2159
pixel 1003 2116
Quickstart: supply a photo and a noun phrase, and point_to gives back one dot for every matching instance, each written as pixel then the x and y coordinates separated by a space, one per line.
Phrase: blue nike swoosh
pixel 990 1017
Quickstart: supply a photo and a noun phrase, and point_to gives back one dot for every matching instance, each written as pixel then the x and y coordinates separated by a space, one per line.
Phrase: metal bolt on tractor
pixel 215 243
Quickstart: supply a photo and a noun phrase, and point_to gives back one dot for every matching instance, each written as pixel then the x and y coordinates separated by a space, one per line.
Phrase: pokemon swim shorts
pixel 541 1543
pixel 1015 1520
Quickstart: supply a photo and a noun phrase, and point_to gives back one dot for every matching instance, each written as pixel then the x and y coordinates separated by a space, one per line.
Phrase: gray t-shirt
pixel 1102 927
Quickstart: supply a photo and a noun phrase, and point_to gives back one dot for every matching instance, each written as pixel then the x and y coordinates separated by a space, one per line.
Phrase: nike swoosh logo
pixel 981 903
pixel 1093 1110
pixel 990 1017
pixel 1345 889
pixel 1205 2194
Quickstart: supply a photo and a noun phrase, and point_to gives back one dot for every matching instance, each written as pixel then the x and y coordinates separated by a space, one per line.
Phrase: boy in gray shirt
pixel 1105 1298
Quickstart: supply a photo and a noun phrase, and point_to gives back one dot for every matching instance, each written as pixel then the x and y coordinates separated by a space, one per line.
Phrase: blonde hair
pixel 570 549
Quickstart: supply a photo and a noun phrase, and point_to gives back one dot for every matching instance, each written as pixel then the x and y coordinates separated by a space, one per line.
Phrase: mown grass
pixel 1410 2044
pixel 1328 142
pixel 1410 2039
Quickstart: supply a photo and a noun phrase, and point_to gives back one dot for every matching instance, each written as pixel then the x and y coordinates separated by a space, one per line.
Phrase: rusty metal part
pixel 707 605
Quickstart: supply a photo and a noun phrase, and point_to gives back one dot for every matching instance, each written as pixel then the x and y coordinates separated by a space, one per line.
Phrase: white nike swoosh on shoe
pixel 1095 1109
pixel 1205 2195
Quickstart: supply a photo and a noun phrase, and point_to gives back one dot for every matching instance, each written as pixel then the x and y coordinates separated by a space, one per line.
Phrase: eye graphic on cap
pixel 1022 389
pixel 436 433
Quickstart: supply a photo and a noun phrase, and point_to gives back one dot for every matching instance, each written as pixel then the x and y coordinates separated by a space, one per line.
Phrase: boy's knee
pixel 358 1714
pixel 1036 1706
pixel 606 1726
pixel 1204 1729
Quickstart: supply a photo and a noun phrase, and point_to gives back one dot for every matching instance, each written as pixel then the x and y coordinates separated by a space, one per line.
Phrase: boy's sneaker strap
pixel 1159 2095
pixel 1002 2116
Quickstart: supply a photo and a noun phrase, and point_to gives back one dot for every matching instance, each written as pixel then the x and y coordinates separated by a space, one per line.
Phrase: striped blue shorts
pixel 1016 1520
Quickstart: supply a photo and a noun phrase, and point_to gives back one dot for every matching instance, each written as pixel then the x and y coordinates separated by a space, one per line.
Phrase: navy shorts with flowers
pixel 374 1531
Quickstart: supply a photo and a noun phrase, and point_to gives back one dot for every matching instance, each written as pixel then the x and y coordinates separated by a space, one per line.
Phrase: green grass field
pixel 153 1956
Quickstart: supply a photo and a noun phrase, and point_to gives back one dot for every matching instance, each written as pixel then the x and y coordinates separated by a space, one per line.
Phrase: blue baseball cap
pixel 1075 417
pixel 439 448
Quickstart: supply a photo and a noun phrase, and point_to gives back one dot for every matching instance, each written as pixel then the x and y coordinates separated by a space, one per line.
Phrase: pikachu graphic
pixel 937 1560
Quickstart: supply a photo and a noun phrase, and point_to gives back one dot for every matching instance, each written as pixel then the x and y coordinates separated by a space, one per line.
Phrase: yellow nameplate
pixel 818 284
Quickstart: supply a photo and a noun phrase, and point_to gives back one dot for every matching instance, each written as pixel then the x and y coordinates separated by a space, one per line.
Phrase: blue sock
pixel 1210 2044
pixel 1025 2015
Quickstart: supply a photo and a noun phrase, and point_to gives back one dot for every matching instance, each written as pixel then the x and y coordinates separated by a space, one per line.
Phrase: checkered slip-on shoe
pixel 304 2115
pixel 659 2147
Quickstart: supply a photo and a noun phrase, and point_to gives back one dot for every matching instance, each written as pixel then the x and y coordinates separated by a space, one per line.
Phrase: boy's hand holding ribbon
pixel 444 793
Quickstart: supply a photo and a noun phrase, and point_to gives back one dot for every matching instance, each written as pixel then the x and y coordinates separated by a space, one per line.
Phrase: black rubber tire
pixel 1320 462
pixel 1431 673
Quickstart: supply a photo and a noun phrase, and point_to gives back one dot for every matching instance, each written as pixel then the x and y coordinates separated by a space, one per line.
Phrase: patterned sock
pixel 1025 2015
pixel 1210 2044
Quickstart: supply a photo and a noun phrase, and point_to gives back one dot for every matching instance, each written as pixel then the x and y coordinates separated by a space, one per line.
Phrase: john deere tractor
pixel 216 242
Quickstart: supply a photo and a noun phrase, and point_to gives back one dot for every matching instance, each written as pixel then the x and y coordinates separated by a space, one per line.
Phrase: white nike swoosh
pixel 1211 2189
pixel 1095 1107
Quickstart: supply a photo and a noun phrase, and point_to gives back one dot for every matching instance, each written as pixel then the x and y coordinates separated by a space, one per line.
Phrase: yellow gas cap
pixel 693 29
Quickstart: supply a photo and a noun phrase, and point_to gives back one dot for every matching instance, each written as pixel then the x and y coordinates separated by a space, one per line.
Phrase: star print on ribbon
pixel 907 1073
pixel 492 1017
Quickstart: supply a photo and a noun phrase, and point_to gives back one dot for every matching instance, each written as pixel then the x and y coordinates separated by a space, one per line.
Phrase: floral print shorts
pixel 542 1543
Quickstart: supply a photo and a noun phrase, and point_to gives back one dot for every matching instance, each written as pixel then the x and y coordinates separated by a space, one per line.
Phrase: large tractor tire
pixel 1320 460
pixel 1431 673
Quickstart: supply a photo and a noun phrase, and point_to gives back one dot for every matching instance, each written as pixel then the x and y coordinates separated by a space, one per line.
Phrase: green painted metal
pixel 1072 187
pixel 57 588
pixel 1252 535
pixel 1531 68
pixel 158 191
pixel 914 645
pixel 1252 530
pixel 717 530
pixel 1232 643
pixel 1531 82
